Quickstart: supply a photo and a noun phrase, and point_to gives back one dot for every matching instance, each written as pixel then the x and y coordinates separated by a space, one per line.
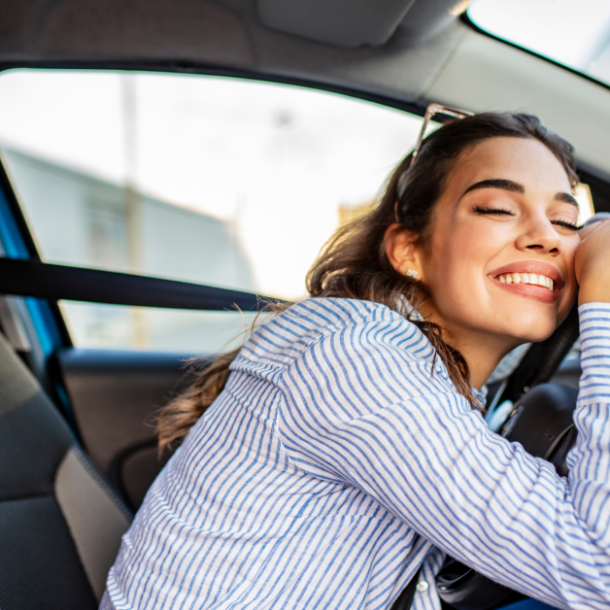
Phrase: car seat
pixel 60 523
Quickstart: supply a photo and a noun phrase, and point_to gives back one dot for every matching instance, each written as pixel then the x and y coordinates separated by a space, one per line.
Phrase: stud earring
pixel 412 274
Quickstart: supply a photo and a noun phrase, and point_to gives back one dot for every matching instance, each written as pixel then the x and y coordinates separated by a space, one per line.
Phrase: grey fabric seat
pixel 60 524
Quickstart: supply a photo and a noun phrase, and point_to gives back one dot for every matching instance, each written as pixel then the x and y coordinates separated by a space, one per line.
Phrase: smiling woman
pixel 342 450
pixel 506 208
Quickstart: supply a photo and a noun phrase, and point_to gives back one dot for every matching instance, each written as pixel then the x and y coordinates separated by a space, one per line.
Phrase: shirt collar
pixel 407 309
pixel 481 395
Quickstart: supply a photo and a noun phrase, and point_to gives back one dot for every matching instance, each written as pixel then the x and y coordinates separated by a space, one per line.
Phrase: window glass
pixel 220 181
pixel 575 34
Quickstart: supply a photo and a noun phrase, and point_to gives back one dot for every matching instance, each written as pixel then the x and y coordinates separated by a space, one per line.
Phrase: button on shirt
pixel 340 457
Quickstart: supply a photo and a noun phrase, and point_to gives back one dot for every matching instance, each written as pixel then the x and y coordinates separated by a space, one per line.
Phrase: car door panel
pixel 115 396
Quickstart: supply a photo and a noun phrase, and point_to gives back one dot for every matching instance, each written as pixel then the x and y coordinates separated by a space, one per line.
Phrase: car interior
pixel 83 368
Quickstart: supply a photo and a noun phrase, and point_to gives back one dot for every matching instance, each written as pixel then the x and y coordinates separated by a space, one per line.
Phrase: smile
pixel 532 279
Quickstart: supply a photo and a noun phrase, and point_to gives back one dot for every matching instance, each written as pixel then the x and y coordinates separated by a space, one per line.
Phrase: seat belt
pixel 29 278
pixel 405 600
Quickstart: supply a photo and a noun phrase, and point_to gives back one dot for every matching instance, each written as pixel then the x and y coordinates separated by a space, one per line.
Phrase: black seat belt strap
pixel 405 600
pixel 28 278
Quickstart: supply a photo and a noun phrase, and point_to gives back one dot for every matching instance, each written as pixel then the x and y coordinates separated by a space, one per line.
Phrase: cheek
pixel 456 274
pixel 569 255
pixel 459 260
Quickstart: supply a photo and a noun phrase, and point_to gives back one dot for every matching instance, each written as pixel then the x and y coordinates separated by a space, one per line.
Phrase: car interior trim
pixel 345 23
pixel 84 497
pixel 17 384
pixel 106 386
pixel 484 74
pixel 387 99
pixel 16 242
pixel 37 462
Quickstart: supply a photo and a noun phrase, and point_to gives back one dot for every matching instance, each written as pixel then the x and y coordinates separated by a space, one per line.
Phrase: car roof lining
pixel 345 23
pixel 355 23
pixel 225 34
pixel 31 24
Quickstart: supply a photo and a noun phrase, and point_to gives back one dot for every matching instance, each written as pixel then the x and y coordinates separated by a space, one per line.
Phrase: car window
pixel 220 181
pixel 574 34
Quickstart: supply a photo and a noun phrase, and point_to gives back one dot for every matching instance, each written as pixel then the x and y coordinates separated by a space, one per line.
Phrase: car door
pixel 149 210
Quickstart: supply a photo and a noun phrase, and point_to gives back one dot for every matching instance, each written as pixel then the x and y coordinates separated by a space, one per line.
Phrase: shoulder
pixel 343 328
pixel 362 357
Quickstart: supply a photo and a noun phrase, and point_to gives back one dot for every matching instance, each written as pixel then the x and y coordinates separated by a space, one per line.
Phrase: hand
pixel 592 262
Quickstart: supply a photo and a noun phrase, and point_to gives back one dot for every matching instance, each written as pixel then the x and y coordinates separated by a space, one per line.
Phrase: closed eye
pixel 481 210
pixel 559 223
pixel 566 225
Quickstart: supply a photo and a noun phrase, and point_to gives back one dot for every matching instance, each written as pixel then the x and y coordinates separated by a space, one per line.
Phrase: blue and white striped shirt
pixel 339 457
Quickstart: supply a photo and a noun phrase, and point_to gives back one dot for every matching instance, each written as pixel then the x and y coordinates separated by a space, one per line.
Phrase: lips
pixel 529 290
pixel 534 267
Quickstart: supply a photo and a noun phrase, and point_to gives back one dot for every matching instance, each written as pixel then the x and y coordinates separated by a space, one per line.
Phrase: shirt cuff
pixel 595 357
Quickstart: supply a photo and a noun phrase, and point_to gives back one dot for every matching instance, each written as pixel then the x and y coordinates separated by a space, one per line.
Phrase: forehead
pixel 525 161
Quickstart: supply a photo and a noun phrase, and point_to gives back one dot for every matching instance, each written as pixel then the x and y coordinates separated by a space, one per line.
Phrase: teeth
pixel 527 278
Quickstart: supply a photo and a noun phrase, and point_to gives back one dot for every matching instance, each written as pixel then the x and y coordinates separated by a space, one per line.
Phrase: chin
pixel 533 331
pixel 524 325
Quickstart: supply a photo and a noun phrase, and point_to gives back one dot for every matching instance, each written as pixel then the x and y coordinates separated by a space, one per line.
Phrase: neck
pixel 481 353
pixel 481 350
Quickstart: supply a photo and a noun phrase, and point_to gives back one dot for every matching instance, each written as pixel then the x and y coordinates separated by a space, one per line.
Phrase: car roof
pixel 406 52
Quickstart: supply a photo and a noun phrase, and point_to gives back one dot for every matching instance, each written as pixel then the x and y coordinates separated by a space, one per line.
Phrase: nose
pixel 540 236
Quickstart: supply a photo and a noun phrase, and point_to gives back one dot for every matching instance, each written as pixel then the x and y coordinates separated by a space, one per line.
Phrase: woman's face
pixel 500 259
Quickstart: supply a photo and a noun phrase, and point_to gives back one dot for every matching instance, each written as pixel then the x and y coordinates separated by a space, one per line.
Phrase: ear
pixel 401 249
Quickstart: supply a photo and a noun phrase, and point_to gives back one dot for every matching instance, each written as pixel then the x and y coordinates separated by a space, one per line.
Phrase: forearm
pixel 590 460
pixel 430 460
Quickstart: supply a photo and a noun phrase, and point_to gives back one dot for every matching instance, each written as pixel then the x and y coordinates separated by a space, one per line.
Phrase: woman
pixel 347 448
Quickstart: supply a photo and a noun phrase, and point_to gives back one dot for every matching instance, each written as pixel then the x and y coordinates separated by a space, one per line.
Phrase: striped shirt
pixel 339 457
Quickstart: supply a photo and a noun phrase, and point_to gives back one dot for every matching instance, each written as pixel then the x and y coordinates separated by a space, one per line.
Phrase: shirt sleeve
pixel 360 409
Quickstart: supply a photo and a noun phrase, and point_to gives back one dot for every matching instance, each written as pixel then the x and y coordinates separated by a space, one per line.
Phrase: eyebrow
pixel 515 187
pixel 567 198
pixel 496 183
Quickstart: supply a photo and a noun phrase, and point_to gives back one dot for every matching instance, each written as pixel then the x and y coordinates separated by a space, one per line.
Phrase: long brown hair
pixel 354 264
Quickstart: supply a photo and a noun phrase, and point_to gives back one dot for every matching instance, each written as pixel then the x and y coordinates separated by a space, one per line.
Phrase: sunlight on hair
pixel 349 213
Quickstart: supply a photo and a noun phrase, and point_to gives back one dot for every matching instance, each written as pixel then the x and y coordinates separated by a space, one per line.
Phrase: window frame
pixel 479 30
